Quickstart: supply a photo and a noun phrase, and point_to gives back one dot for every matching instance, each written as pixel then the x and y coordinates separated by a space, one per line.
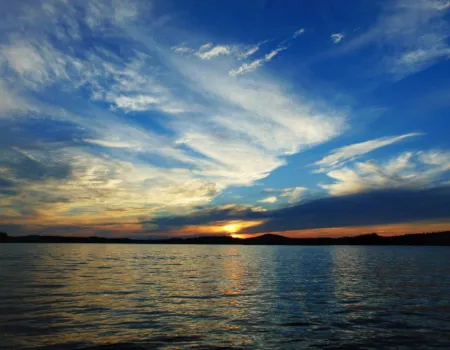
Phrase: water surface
pixel 64 296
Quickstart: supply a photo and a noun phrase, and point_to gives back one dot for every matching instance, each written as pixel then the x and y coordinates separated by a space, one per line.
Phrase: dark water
pixel 201 297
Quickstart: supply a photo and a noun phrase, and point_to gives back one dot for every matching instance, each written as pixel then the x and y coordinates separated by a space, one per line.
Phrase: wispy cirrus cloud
pixel 411 35
pixel 251 66
pixel 298 33
pixel 108 159
pixel 11 101
pixel 209 51
pixel 340 156
pixel 440 5
pixel 248 67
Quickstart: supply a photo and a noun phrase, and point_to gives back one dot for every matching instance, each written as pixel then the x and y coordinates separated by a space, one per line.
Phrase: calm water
pixel 171 297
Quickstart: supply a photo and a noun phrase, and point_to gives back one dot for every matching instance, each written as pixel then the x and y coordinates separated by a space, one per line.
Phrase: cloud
pixel 336 38
pixel 255 126
pixel 291 194
pixel 136 103
pixel 251 66
pixel 247 67
pixel 189 141
pixel 211 52
pixel 113 143
pixel 25 60
pixel 418 60
pixel 369 208
pixel 379 207
pixel 273 53
pixel 208 216
pixel 11 102
pixel 298 33
pixel 250 51
pixel 208 51
pixel 440 5
pixel 270 200
pixel 409 170
pixel 183 49
pixel 411 36
pixel 341 155
pixel 110 12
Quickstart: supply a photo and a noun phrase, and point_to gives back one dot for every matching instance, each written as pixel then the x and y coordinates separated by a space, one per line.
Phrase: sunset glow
pixel 232 228
pixel 111 125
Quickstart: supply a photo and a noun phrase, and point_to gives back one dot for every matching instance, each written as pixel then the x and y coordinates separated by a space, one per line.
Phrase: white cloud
pixel 273 53
pixel 417 60
pixel 259 62
pixel 209 51
pixel 440 5
pixel 212 52
pixel 11 102
pixel 136 103
pixel 298 33
pixel 411 36
pixel 183 49
pixel 26 61
pixel 341 155
pixel 113 143
pixel 408 170
pixel 291 194
pixel 248 67
pixel 270 200
pixel 294 194
pixel 249 52
pixel 205 47
pixel 336 38
pixel 100 14
pixel 232 131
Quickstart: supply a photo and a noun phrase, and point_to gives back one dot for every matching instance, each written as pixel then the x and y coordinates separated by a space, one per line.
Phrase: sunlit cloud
pixel 341 155
pixel 108 122
pixel 271 199
pixel 291 194
pixel 408 170
pixel 344 211
pixel 114 167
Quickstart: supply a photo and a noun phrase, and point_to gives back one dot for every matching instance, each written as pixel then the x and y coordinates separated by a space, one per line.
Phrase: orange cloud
pixel 384 230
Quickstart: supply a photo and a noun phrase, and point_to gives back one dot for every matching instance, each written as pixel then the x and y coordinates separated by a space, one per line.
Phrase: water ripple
pixel 77 296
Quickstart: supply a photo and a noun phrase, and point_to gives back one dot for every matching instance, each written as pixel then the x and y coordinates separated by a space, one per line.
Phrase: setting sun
pixel 232 228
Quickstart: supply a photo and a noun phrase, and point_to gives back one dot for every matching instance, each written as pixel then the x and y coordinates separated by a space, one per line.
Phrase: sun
pixel 232 228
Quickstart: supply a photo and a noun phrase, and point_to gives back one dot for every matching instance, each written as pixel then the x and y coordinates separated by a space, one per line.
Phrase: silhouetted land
pixel 435 238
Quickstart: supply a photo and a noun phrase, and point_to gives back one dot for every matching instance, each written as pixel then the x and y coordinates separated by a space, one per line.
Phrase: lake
pixel 70 296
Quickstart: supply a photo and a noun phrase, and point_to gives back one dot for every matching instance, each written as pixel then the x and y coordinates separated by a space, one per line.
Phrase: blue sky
pixel 117 117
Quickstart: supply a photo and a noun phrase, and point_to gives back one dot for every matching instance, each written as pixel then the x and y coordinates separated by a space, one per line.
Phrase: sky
pixel 180 118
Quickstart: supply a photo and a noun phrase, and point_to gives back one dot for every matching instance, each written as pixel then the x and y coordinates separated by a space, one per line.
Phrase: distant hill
pixel 435 238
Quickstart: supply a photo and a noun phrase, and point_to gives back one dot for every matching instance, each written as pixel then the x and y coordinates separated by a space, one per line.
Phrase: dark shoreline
pixel 419 239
